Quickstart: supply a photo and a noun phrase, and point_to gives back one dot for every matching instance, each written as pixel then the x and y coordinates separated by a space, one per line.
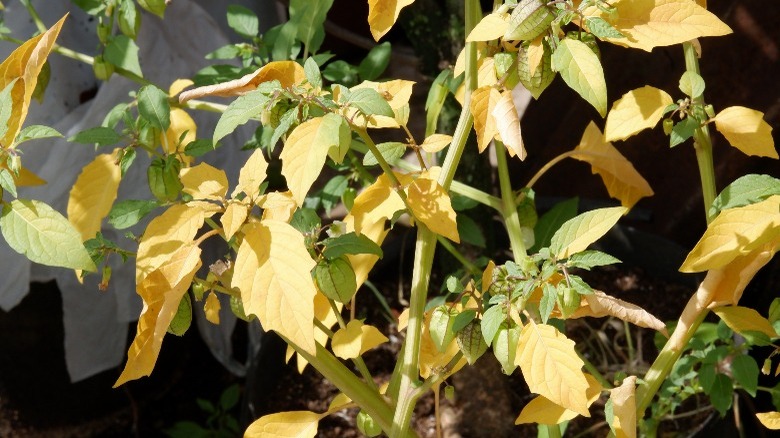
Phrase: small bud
pixel 709 110
pixel 668 126
pixel 102 68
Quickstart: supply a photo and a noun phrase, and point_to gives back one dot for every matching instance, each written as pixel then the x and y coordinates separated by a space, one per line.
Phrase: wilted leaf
pixel 542 411
pixel 653 23
pixel 161 292
pixel 24 65
pixel 382 15
pixel 355 339
pixel 578 233
pixel 599 305
pixel 624 408
pixel 288 73
pixel 551 367
pixel 293 424
pixel 273 273
pixel 431 205
pixel 508 125
pixel 637 110
pixel 746 130
pixel 93 194
pixel 736 231
pixel 43 235
pixel 483 102
pixel 581 69
pixel 621 179
pixel 251 175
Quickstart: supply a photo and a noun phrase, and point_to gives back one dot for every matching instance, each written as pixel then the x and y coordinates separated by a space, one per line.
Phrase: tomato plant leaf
pixel 243 21
pixel 125 214
pixel 123 53
pixel 153 107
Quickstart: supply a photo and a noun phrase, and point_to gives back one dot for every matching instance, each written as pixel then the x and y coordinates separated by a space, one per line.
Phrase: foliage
pixel 319 116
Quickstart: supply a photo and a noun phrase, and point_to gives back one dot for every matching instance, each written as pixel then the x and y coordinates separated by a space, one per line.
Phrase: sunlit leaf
pixel 273 273
pixel 747 131
pixel 483 102
pixel 436 142
pixel 180 122
pixel 542 411
pixel 293 424
pixel 621 179
pixel 378 203
pixel 234 217
pixel 744 319
pixel 771 420
pixel 581 69
pixel 747 189
pixel 491 27
pixel 624 408
pixel 551 367
pixel 578 233
pixel 204 182
pixel 653 23
pixel 736 231
pixel 637 110
pixel 431 205
pixel 43 235
pixel 93 194
pixel 508 125
pixel 211 308
pixel 382 15
pixel 599 305
pixel 239 112
pixel 288 73
pixel 251 175
pixel 355 339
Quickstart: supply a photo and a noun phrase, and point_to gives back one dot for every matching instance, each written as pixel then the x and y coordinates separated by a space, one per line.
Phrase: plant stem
pixel 425 248
pixel 471 267
pixel 34 15
pixel 509 210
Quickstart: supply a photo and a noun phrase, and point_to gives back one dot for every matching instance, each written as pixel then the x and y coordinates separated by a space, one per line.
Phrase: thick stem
pixel 509 210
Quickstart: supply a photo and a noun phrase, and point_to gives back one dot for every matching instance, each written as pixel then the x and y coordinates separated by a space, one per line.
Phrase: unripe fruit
pixel 668 126
pixel 102 68
pixel 568 301
pixel 367 425
pixel 183 318
pixel 529 20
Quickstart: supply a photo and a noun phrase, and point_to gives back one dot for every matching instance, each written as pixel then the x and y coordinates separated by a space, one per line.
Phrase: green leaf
pixel 391 151
pixel 183 318
pixel 153 106
pixel 440 327
pixel 123 53
pixel 577 233
pixel 552 220
pixel 312 71
pixel 691 84
pixel 200 147
pixel 745 371
pixel 156 7
pixel 746 190
pixel 128 157
pixel 463 319
pixel 240 111
pixel 706 376
pixel 774 311
pixel 375 62
pixel 491 322
pixel 579 285
pixel 332 191
pixel 683 130
pixel 505 347
pixel 370 102
pixel 229 398
pixel 547 303
pixel 243 21
pixel 339 129
pixel 336 279
pixel 721 393
pixel 127 213
pixel 469 231
pixel 305 220
pixel 36 132
pixel 581 69
pixel 350 243
pixel 91 7
pixel 7 182
pixel 590 258
pixel 341 72
pixel 309 16
pixel 229 51
pixel 43 235
pixel 99 135
pixel 602 29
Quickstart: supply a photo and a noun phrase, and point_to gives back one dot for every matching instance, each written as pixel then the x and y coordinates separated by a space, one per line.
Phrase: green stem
pixel 426 246
pixel 509 210
pixel 338 374
pixel 34 15
pixel 358 361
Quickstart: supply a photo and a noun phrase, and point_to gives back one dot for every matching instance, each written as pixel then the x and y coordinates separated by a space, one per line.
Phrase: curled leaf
pixel 288 73
pixel 599 305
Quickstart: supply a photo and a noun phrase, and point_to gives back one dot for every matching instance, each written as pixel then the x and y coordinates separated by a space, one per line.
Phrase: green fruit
pixel 183 318
pixel 568 301
pixel 535 81
pixel 367 425
pixel 102 68
pixel 668 126
pixel 163 177
pixel 104 29
pixel 529 20
pixel 470 342
pixel 336 279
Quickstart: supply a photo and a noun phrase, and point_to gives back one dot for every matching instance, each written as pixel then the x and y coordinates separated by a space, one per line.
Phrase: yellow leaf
pixel 204 182
pixel 324 313
pixel 542 411
pixel 382 15
pixel 431 359
pixel 339 402
pixel 771 420
pixel 93 194
pixel 746 130
pixel 436 142
pixel 735 276
pixel 167 233
pixel 397 92
pixel 293 424
pixel 181 122
pixel 288 73
pixel 212 307
pixel 233 218
pixel 403 319
pixel 508 125
pixel 24 64
pixel 273 273
pixel 486 73
pixel 305 152
pixel 487 276
pixel 161 292
pixel 551 367
pixel 653 23
pixel 431 205
pixel 599 305
pixel 622 180
pixel 483 101
pixel 278 205
pixel 491 27
pixel 624 408
pixel 252 175
pixel 637 110
pixel 27 178
pixel 734 232
pixel 744 319
pixel 363 263
pixel 355 339
pixel 178 86
pixel 376 204
pixel 535 53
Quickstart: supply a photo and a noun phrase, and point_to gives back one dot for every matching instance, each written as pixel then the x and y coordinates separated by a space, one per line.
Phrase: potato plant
pixel 294 269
